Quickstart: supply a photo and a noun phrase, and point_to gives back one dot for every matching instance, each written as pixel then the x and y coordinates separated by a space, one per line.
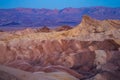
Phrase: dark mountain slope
pixel 46 17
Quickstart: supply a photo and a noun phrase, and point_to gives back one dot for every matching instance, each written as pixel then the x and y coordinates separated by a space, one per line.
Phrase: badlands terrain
pixel 88 51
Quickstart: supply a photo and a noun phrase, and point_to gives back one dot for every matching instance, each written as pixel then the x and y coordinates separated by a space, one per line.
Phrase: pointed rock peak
pixel 86 18
pixel 90 21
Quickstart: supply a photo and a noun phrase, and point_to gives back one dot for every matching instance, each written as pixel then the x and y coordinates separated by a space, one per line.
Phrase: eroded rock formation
pixel 88 51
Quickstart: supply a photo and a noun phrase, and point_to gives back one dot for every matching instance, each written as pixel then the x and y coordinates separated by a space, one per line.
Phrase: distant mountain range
pixel 26 17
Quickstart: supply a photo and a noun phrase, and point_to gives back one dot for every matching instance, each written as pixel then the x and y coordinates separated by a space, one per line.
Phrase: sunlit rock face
pixel 86 51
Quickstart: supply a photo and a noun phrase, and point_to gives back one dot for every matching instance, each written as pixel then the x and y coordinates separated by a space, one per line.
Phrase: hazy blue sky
pixel 57 3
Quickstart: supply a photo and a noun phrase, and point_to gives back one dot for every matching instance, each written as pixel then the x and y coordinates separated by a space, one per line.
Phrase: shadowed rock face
pixel 90 48
pixel 7 76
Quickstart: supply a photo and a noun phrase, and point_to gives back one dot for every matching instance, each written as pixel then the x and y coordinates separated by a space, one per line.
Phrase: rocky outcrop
pixel 63 28
pixel 43 29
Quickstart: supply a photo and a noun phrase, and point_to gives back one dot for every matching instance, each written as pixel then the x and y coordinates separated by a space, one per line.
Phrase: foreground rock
pixel 7 72
pixel 7 76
